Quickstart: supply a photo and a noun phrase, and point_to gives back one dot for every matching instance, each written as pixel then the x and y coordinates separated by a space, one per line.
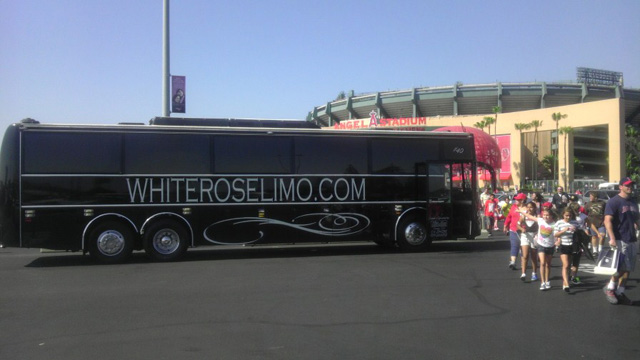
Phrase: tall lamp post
pixel 166 73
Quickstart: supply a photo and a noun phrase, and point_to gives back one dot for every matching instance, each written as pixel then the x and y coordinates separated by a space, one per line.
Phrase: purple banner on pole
pixel 178 94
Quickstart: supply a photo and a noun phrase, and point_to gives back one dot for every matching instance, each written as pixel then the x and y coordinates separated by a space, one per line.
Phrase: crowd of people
pixel 539 229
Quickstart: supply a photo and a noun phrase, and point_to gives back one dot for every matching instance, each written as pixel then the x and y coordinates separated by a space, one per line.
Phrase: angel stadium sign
pixel 374 121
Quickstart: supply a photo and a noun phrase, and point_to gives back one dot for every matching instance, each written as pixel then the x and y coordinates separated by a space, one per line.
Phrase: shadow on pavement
pixel 272 251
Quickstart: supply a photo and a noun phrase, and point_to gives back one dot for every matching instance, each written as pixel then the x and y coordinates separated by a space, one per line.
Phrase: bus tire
pixel 111 242
pixel 166 240
pixel 384 243
pixel 412 235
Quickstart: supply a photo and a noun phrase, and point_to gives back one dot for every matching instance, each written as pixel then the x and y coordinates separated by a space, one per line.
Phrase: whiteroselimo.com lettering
pixel 152 190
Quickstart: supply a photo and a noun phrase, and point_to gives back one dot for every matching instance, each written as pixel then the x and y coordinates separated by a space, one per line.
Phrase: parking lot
pixel 306 302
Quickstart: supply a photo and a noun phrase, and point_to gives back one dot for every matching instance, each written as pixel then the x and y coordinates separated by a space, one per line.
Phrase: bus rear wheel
pixel 412 235
pixel 111 242
pixel 166 240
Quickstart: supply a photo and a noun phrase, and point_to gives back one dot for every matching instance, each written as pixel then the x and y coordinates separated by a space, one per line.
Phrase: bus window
pixel 252 154
pixel 400 157
pixel 335 155
pixel 71 153
pixel 167 154
pixel 439 182
pixel 462 179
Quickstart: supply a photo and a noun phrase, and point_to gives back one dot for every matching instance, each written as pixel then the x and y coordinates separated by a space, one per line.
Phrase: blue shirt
pixel 625 215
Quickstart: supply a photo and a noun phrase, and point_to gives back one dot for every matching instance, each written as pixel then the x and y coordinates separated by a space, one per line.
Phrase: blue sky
pixel 90 61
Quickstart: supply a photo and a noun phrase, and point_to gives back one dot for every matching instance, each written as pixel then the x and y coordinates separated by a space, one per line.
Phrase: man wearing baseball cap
pixel 622 220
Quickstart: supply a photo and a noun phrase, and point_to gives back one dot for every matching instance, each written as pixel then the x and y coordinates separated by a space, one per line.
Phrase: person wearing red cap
pixel 622 220
pixel 511 227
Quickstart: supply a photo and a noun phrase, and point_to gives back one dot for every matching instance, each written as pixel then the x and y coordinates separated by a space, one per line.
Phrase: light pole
pixel 166 72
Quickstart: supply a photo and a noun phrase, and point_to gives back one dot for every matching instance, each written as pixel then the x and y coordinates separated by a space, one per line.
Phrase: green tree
pixel 577 164
pixel 496 110
pixel 557 117
pixel 488 120
pixel 548 163
pixel 632 148
pixel 480 125
pixel 565 131
pixel 522 126
pixel 535 124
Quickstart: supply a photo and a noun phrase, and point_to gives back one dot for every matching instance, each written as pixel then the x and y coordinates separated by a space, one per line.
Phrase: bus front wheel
pixel 166 240
pixel 111 242
pixel 412 235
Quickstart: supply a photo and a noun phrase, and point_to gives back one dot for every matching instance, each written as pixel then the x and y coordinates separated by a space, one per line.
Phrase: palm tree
pixel 633 152
pixel 480 125
pixel 548 162
pixel 496 110
pixel 535 124
pixel 557 117
pixel 521 126
pixel 565 131
pixel 488 120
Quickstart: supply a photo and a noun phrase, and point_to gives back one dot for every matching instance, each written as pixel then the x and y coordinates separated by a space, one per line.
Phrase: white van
pixel 609 186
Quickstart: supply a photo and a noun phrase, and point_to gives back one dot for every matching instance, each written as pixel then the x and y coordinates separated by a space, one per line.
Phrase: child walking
pixel 489 212
pixel 528 232
pixel 546 244
pixel 563 231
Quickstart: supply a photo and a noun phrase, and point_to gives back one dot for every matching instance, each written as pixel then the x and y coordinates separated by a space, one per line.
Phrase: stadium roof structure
pixel 459 99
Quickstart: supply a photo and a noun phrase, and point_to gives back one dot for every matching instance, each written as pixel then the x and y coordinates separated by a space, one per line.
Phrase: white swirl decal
pixel 248 230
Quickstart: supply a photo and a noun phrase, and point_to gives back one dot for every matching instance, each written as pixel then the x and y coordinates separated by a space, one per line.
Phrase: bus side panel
pixel 44 229
pixel 239 224
pixel 10 188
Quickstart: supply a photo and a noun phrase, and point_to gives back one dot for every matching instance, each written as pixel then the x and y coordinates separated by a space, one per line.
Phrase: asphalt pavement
pixel 352 301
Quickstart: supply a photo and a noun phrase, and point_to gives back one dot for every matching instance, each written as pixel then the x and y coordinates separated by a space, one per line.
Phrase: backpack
pixel 596 208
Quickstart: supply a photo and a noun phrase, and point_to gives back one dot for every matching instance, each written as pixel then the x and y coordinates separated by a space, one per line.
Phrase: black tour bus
pixel 174 184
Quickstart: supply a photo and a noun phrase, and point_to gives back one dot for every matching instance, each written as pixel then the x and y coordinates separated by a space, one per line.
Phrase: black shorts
pixel 547 250
pixel 566 249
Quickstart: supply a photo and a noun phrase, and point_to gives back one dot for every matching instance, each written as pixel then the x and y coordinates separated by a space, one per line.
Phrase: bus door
pixel 463 201
pixel 438 197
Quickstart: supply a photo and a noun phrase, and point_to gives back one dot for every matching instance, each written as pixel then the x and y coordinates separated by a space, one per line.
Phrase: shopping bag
pixel 607 262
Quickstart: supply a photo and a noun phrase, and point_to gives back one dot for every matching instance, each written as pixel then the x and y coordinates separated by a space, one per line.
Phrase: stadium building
pixel 590 150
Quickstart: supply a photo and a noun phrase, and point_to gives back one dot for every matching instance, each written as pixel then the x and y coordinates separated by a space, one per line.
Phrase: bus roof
pixel 235 126
pixel 233 122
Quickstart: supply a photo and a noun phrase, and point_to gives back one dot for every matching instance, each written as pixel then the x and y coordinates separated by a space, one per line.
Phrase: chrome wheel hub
pixel 166 241
pixel 111 243
pixel 415 234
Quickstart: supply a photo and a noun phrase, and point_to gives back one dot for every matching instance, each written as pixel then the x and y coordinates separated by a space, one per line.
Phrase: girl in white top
pixel 528 232
pixel 545 242
pixel 563 231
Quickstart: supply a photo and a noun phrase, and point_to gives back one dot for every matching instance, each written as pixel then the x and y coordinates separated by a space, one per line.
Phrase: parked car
pixel 603 194
pixel 579 198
